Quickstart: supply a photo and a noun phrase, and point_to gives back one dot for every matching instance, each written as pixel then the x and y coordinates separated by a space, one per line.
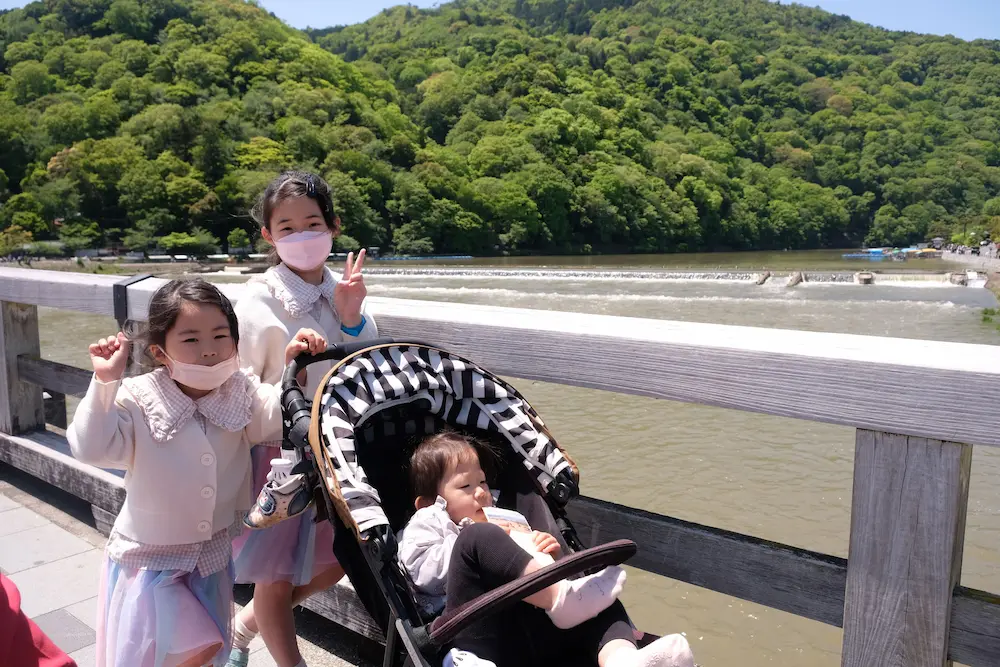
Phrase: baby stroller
pixel 380 399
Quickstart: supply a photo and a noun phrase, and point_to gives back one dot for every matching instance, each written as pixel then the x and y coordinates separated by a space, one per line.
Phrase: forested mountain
pixel 499 125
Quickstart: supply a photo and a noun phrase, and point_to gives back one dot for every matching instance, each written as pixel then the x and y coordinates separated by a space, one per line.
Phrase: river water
pixel 775 478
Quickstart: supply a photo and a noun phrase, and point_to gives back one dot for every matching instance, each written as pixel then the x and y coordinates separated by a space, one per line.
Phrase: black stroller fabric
pixel 402 392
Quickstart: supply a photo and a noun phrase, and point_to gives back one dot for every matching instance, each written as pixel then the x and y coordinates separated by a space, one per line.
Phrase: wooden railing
pixel 896 596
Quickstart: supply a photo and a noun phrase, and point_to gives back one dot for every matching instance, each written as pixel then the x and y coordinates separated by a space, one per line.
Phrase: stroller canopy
pixel 366 396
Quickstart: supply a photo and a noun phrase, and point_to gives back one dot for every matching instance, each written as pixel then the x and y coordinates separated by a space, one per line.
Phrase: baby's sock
pixel 669 651
pixel 584 598
pixel 242 636
pixel 302 663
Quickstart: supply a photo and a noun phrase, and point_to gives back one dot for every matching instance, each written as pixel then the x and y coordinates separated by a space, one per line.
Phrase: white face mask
pixel 203 378
pixel 305 251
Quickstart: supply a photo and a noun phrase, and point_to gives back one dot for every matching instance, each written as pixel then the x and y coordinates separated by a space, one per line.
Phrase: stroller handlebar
pixel 295 404
pixel 332 353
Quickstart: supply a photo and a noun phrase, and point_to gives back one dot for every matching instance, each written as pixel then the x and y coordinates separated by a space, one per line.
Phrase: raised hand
pixel 349 294
pixel 306 340
pixel 109 357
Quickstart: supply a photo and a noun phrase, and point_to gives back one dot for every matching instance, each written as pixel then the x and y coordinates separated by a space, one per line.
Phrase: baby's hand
pixel 306 340
pixel 109 357
pixel 511 527
pixel 545 543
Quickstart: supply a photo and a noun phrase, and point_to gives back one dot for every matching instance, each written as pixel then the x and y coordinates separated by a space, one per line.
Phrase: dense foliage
pixel 497 125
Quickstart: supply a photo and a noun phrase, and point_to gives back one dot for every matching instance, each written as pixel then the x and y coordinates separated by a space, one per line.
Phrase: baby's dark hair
pixel 436 454
pixel 290 185
pixel 165 306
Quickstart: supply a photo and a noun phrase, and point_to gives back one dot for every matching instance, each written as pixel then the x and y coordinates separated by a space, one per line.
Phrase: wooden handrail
pixel 946 391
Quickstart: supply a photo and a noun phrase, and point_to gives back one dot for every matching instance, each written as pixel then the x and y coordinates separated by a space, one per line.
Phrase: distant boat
pixel 876 254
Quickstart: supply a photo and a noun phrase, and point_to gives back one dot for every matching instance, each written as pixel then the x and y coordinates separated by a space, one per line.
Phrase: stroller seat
pixel 375 405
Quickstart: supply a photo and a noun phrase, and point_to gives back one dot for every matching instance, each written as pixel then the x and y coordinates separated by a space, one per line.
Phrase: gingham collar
pixel 166 408
pixel 295 294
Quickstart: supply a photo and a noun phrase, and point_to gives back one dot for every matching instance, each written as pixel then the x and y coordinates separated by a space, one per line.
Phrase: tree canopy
pixel 488 126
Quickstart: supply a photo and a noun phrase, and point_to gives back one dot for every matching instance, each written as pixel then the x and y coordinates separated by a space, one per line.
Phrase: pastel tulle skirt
pixel 160 618
pixel 296 550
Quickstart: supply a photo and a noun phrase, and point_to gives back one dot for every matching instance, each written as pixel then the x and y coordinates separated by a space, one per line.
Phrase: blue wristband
pixel 354 331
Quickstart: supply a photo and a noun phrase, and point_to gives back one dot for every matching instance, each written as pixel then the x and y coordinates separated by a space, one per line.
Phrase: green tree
pixel 237 238
pixel 130 18
pixel 260 153
pixel 30 80
pixel 80 234
pixel 197 242
pixel 13 239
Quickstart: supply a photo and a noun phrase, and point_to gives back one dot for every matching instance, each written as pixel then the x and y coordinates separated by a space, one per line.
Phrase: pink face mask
pixel 203 378
pixel 305 251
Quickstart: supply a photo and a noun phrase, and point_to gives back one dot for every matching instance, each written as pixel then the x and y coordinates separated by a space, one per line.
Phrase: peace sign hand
pixel 109 357
pixel 350 292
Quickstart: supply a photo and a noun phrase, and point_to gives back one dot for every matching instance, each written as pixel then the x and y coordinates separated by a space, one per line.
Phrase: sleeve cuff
pixel 355 330
pixel 104 392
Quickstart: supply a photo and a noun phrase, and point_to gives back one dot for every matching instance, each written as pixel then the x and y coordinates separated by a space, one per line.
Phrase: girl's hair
pixel 290 185
pixel 165 306
pixel 436 454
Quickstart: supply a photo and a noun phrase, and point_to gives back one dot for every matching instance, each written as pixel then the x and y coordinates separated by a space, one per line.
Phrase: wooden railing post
pixel 55 409
pixel 21 407
pixel 905 556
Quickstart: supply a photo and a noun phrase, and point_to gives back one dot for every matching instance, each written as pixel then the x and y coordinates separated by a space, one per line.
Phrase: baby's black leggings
pixel 484 558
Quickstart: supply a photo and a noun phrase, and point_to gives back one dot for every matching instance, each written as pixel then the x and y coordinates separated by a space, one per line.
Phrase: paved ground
pixel 50 549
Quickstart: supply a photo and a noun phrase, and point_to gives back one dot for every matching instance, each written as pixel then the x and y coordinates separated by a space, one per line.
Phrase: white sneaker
pixel 457 658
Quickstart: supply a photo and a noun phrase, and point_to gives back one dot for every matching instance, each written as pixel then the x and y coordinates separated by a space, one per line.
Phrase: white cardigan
pixel 266 326
pixel 187 462
pixel 425 547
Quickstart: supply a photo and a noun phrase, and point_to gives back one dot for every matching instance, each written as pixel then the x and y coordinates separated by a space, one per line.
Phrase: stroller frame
pixel 354 507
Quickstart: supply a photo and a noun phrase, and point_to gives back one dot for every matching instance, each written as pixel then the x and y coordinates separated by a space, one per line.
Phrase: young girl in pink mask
pixel 182 433
pixel 293 559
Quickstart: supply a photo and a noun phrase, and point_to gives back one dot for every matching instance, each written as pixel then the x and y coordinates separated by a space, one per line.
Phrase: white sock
pixel 302 663
pixel 584 598
pixel 242 635
pixel 669 651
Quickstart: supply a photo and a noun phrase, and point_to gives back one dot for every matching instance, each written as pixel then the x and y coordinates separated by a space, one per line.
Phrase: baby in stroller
pixel 455 552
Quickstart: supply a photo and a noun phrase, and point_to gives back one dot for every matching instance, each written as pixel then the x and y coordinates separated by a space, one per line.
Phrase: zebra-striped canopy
pixel 448 387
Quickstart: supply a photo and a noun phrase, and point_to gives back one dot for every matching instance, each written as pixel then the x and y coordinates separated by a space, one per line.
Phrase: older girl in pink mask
pixel 291 560
pixel 182 433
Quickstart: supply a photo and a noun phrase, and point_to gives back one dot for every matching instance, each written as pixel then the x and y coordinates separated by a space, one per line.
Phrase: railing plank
pixel 46 455
pixel 907 532
pixel 975 628
pixel 801 582
pixel 54 376
pixel 21 406
pixel 342 605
